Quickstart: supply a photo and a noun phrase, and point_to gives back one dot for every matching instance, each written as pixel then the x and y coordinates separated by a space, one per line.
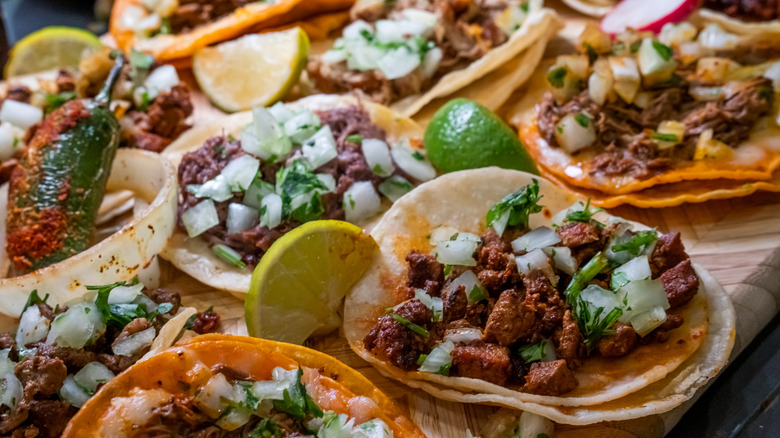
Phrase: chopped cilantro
pixel 54 101
pixel 140 65
pixel 297 180
pixel 165 26
pixel 448 271
pixel 421 359
pixel 351 202
pixel 355 138
pixel 524 7
pixel 145 101
pixel 119 315
pixel 33 300
pixel 559 128
pixel 411 326
pixel 266 428
pixel 663 50
pixel 635 46
pixel 418 156
pixel 619 47
pixel 592 54
pixel 672 138
pixel 519 206
pixel 555 77
pixel 444 370
pixel 297 402
pixel 476 295
pixel 618 280
pixel 583 119
pixel 637 242
pixel 533 352
pixel 584 215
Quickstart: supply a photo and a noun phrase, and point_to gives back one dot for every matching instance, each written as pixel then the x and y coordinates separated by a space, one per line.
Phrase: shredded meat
pixel 751 10
pixel 161 123
pixel 192 13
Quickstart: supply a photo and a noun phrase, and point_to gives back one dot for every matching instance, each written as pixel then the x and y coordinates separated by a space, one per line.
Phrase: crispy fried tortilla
pixel 180 371
pixel 460 200
pixel 194 256
pixel 253 17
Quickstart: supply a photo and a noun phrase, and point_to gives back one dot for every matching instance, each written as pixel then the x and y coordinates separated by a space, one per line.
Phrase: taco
pixel 172 29
pixel 249 179
pixel 476 298
pixel 406 54
pixel 626 115
pixel 742 17
pixel 220 386
pixel 56 357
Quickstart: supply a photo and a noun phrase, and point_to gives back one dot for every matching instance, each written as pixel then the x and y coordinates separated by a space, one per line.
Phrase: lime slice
pixel 50 48
pixel 253 70
pixel 298 287
pixel 466 135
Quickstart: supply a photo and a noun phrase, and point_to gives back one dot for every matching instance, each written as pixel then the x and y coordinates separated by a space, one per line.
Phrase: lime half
pixel 298 287
pixel 50 48
pixel 466 135
pixel 253 70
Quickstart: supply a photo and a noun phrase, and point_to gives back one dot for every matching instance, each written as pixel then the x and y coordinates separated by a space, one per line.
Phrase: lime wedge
pixel 253 70
pixel 50 48
pixel 466 135
pixel 298 287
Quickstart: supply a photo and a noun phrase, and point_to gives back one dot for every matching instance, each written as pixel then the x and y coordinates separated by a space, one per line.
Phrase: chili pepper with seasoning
pixel 57 187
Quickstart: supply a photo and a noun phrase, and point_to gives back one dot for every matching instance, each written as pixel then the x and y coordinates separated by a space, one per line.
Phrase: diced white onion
pixel 92 375
pixel 499 225
pixel 713 37
pixel 626 77
pixel 456 252
pixel 200 218
pixel 264 137
pixel 438 357
pixel 361 201
pixel 333 426
pixel 421 16
pixel 648 321
pixel 253 196
pixel 689 52
pixel 469 281
pixel 271 211
pixel 240 172
pixel 334 56
pixel 398 63
pixel 161 80
pixel 240 218
pixel 434 303
pixel 281 112
pixel 150 305
pixel 651 62
pixel 772 73
pixel 536 238
pixel 440 234
pixel 397 31
pixel 599 87
pixel 217 189
pixel 413 161
pixel 320 148
pixel 597 297
pixel 73 393
pixel 395 187
pixel 375 428
pixel 533 425
pixel 10 139
pixel 532 261
pixel 562 258
pixel 673 34
pixel 131 16
pixel 328 181
pixel 715 69
pixel 10 391
pixel 355 29
pixel 32 327
pixel 124 294
pixel 20 114
pixel 637 268
pixel 214 396
pixel 77 326
pixel 463 335
pixel 641 296
pixel 431 62
pixel 6 364
pixel 302 126
pixel 135 342
pixel 365 57
pixel 377 155
pixel 572 136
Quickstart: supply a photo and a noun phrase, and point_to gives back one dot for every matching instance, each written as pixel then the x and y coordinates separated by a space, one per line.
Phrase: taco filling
pixel 748 10
pixel 58 357
pixel 292 403
pixel 165 17
pixel 399 49
pixel 291 167
pixel 644 105
pixel 523 308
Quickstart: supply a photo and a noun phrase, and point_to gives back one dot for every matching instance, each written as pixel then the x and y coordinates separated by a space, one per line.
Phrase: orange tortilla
pixel 754 160
pixel 251 18
pixel 197 360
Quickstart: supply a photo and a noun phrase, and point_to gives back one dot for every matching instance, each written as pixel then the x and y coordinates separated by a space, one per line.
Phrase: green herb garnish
pixel 555 77
pixel 671 138
pixel 533 352
pixel 663 50
pixel 411 326
pixel 584 215
pixel 637 242
pixel 519 206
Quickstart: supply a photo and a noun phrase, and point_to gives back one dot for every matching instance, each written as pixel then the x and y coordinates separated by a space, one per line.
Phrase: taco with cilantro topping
pixel 246 181
pixel 496 287
pixel 229 386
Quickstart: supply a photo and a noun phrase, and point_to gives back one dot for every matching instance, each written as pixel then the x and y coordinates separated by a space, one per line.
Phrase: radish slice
pixel 645 15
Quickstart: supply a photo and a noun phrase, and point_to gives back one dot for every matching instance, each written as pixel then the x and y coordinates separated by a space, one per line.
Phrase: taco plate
pixel 545 316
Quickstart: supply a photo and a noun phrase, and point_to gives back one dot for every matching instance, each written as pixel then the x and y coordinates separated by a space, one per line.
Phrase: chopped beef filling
pixel 193 13
pixel 465 32
pixel 623 131
pixel 42 413
pixel 348 167
pixel 161 122
pixel 520 310
pixel 751 10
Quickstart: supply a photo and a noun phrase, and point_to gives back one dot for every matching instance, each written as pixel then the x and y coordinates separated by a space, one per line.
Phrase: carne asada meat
pixel 749 10
pixel 509 316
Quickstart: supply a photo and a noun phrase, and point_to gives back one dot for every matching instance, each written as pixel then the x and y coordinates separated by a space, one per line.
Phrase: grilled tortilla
pixel 606 385
pixel 179 377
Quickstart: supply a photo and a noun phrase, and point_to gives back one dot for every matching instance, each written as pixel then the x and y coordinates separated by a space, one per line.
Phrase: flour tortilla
pixel 754 160
pixel 194 256
pixel 460 200
pixel 530 34
pixel 594 8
